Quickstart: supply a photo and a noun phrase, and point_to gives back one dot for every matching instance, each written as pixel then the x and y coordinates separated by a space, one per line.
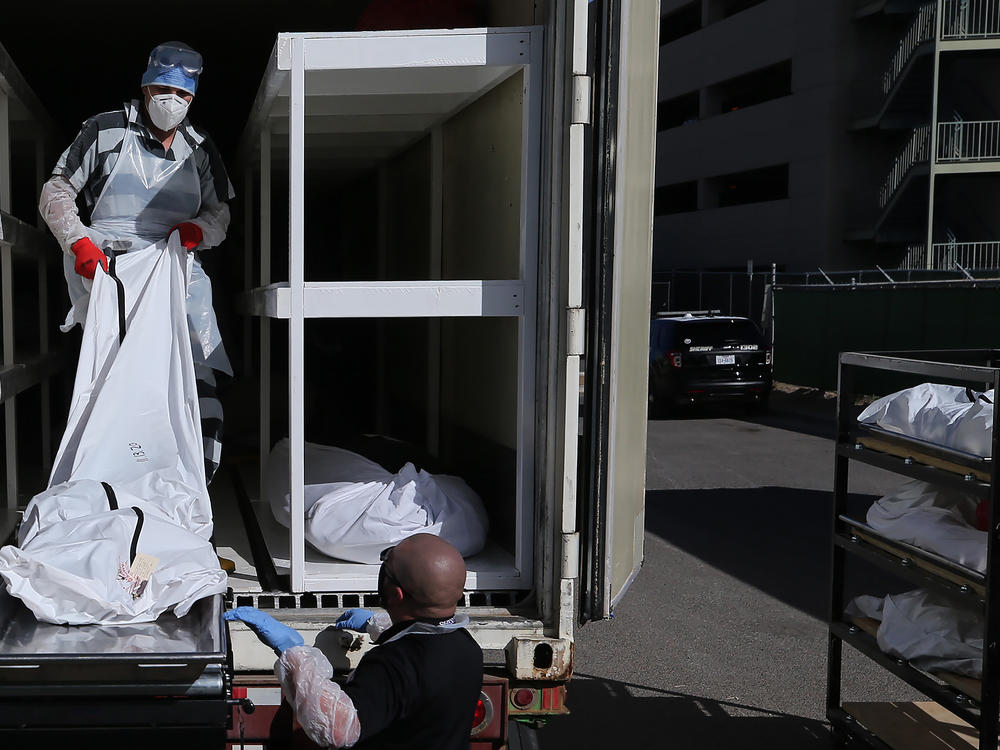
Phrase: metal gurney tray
pixel 171 656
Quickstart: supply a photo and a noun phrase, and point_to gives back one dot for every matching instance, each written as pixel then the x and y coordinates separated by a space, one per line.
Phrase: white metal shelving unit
pixel 361 98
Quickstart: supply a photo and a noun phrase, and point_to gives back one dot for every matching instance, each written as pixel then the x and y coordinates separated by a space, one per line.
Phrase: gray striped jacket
pixel 84 168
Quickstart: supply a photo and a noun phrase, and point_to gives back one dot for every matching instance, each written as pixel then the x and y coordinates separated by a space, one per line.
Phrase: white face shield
pixel 167 111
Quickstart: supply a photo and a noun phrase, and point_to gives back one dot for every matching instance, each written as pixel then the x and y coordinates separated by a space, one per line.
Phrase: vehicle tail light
pixel 483 714
pixel 768 356
pixel 675 359
pixel 523 697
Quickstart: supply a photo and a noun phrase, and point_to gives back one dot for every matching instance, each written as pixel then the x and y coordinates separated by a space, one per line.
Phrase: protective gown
pixel 135 192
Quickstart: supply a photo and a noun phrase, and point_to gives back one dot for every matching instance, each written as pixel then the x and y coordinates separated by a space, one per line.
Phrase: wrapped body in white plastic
pixel 939 520
pixel 128 477
pixel 354 508
pixel 928 631
pixel 948 415
pixel 75 572
pixel 86 497
pixel 134 420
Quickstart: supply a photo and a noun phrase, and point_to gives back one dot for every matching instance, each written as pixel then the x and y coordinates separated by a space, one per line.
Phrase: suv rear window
pixel 667 334
pixel 718 332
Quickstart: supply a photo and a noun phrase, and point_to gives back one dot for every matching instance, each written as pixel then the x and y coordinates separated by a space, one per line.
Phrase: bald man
pixel 418 688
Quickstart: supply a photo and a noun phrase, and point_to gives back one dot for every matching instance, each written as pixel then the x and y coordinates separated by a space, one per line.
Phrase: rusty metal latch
pixel 538 658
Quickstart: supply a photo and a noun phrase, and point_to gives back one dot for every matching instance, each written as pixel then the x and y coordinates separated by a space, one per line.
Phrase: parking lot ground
pixel 722 640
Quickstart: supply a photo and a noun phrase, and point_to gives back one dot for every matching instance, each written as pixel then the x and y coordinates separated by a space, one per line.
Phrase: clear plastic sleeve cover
pixel 325 712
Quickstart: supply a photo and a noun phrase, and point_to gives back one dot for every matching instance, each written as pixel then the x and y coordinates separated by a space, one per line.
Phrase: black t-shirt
pixel 418 692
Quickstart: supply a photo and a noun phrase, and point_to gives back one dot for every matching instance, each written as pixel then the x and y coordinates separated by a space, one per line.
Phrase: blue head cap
pixel 173 64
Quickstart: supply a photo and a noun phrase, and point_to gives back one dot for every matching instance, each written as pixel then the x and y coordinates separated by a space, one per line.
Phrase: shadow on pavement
pixel 608 714
pixel 776 539
pixel 809 415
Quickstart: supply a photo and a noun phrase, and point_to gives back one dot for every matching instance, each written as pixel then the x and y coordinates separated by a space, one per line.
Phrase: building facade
pixel 800 134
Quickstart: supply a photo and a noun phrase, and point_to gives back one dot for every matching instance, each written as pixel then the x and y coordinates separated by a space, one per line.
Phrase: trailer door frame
pixel 618 267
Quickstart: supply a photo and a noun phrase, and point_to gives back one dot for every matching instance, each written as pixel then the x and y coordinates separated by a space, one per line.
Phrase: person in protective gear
pixel 138 174
pixel 418 688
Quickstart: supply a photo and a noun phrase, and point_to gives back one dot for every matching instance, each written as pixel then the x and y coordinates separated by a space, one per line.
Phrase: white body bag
pixel 128 483
pixel 354 508
pixel 928 631
pixel 935 519
pixel 948 415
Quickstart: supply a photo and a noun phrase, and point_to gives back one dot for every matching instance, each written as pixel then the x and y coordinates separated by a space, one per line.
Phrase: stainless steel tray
pixel 173 654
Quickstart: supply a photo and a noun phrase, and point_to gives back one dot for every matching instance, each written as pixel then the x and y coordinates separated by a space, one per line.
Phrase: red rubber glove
pixel 191 234
pixel 87 257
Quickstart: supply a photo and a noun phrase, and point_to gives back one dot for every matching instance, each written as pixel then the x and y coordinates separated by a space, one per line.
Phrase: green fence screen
pixel 812 325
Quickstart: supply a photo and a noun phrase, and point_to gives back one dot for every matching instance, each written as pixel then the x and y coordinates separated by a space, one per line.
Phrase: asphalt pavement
pixel 721 641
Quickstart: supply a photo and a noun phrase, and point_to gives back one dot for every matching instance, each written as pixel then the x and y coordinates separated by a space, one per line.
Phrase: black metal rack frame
pixel 906 561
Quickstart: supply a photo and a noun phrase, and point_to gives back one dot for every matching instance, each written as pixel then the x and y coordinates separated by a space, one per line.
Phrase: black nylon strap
pixel 121 299
pixel 112 499
pixel 140 518
pixel 971 395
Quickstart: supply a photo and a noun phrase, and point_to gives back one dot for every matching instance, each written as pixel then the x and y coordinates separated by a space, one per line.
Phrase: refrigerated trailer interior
pixel 422 272
pixel 440 253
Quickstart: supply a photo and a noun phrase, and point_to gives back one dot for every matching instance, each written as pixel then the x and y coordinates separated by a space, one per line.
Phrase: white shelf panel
pixel 492 569
pixel 406 49
pixel 420 76
pixel 394 299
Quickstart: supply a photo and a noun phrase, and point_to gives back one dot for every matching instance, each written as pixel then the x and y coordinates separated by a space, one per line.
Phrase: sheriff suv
pixel 700 357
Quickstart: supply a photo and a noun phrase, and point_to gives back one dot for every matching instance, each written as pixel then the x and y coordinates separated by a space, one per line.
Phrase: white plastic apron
pixel 143 198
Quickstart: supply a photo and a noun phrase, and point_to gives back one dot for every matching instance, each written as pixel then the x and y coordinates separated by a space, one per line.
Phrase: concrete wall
pixel 806 130
pixel 967 205
pixel 968 85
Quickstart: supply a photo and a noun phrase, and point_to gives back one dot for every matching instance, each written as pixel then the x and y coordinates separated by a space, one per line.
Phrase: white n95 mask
pixel 167 110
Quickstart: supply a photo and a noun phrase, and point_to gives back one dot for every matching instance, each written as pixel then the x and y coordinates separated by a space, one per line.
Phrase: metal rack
pixel 362 98
pixel 967 700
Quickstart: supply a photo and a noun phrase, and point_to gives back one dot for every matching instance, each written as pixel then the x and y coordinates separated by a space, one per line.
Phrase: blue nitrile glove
pixel 270 631
pixel 354 619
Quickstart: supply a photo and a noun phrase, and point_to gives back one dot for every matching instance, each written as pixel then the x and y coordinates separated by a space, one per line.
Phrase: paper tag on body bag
pixel 135 578
pixel 143 566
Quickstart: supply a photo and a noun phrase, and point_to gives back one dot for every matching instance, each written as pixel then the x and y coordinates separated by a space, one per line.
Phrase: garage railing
pixel 970 140
pixel 916 151
pixel 970 19
pixel 920 31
